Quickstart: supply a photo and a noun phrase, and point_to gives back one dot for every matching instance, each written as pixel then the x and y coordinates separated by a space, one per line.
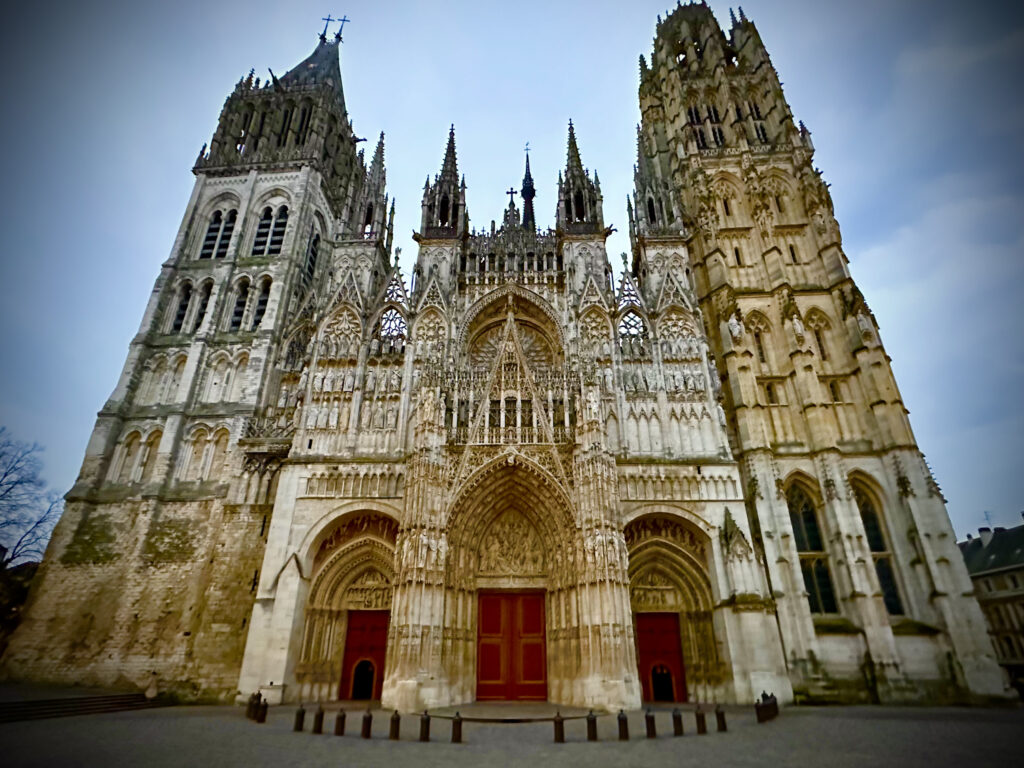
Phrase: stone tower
pixel 515 477
pixel 852 527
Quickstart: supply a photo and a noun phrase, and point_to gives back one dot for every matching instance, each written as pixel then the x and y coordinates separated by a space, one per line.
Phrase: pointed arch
pixel 868 496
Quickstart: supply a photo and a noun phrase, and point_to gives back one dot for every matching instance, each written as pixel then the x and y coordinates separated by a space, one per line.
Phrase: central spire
pixel 528 193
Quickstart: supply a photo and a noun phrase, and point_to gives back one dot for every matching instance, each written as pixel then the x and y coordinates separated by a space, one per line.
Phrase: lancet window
pixel 811 548
pixel 184 297
pixel 874 532
pixel 218 234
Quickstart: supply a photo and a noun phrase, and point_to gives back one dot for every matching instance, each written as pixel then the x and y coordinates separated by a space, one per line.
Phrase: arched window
pixel 184 297
pixel 392 324
pixel 811 547
pixel 225 234
pixel 194 468
pixel 238 310
pixel 259 245
pixel 739 259
pixel 651 211
pixel 277 232
pixel 220 450
pixel 725 206
pixel 212 233
pixel 261 304
pixel 874 532
pixel 286 119
pixel 445 211
pixel 577 206
pixel 368 220
pixel 149 456
pixel 129 458
pixel 792 254
pixel 822 347
pixel 312 254
pixel 204 301
pixel 759 345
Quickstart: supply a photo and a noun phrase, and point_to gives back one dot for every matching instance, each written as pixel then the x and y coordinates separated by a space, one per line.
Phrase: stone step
pixel 13 711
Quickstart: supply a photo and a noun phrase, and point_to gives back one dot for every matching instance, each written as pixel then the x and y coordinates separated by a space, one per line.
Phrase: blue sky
pixel 917 125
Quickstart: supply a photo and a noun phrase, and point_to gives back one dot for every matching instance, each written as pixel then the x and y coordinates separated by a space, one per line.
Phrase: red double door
pixel 511 659
pixel 660 657
pixel 362 668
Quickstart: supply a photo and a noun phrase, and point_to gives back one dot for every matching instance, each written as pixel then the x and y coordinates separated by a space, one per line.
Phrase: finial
pixel 527 150
pixel 326 20
pixel 343 19
pixel 743 16
pixel 624 260
pixel 732 17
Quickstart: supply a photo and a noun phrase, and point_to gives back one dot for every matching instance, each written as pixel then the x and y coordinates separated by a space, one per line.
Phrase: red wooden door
pixel 511 661
pixel 362 668
pixel 660 657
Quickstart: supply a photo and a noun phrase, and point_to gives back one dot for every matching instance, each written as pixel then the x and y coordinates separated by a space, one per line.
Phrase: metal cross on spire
pixel 326 20
pixel 341 26
pixel 527 149
pixel 511 195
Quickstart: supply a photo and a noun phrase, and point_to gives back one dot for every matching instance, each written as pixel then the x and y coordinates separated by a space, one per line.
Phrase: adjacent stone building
pixel 995 561
pixel 516 477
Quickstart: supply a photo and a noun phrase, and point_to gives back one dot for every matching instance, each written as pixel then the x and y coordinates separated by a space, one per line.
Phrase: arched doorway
pixel 670 594
pixel 364 679
pixel 509 578
pixel 348 611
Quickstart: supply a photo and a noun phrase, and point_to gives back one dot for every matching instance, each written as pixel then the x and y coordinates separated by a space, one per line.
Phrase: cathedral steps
pixel 14 711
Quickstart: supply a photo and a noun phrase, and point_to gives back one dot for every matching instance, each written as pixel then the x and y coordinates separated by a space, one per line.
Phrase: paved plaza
pixel 805 736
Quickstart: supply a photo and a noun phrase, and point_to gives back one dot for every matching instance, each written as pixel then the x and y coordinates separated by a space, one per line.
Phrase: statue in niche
pixel 318 382
pixel 593 406
pixel 350 382
pixel 332 418
pixel 798 327
pixel 609 381
pixel 865 326
pixel 371 380
pixel 303 379
pixel 735 326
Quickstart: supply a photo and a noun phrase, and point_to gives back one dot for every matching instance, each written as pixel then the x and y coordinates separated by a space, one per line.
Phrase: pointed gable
pixel 672 293
pixel 432 296
pixel 629 296
pixel 592 295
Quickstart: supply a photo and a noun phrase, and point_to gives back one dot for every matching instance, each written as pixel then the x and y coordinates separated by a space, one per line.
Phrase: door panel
pixel 366 640
pixel 660 657
pixel 511 648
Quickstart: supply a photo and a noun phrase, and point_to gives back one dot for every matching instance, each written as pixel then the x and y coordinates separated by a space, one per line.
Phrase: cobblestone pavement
pixel 221 736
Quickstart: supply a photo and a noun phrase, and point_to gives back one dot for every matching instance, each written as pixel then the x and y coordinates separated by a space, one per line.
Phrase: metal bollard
pixel 396 724
pixel 677 722
pixel 250 707
pixel 318 719
pixel 457 729
pixel 559 728
pixel 367 731
pixel 339 723
pixel 702 724
pixel 652 732
pixel 591 726
pixel 300 718
pixel 720 718
pixel 261 715
pixel 424 726
pixel 623 726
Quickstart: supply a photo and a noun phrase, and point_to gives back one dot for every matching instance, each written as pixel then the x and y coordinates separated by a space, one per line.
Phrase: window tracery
pixel 811 548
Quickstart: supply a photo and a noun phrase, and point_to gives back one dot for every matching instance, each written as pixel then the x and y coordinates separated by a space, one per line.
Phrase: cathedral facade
pixel 516 476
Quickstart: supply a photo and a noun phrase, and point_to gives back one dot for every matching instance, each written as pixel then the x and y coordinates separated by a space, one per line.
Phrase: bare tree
pixel 28 509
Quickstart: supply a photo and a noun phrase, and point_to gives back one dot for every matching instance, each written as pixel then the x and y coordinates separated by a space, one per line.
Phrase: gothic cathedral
pixel 515 476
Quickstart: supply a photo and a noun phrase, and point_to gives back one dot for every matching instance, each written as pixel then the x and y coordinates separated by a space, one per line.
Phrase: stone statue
pixel 721 414
pixel 798 327
pixel 593 406
pixel 864 324
pixel 735 326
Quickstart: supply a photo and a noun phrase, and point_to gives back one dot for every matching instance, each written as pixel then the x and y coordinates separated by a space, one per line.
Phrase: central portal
pixel 511 660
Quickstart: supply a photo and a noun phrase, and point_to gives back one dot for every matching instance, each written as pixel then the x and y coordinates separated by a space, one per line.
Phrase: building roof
pixel 320 67
pixel 1004 550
